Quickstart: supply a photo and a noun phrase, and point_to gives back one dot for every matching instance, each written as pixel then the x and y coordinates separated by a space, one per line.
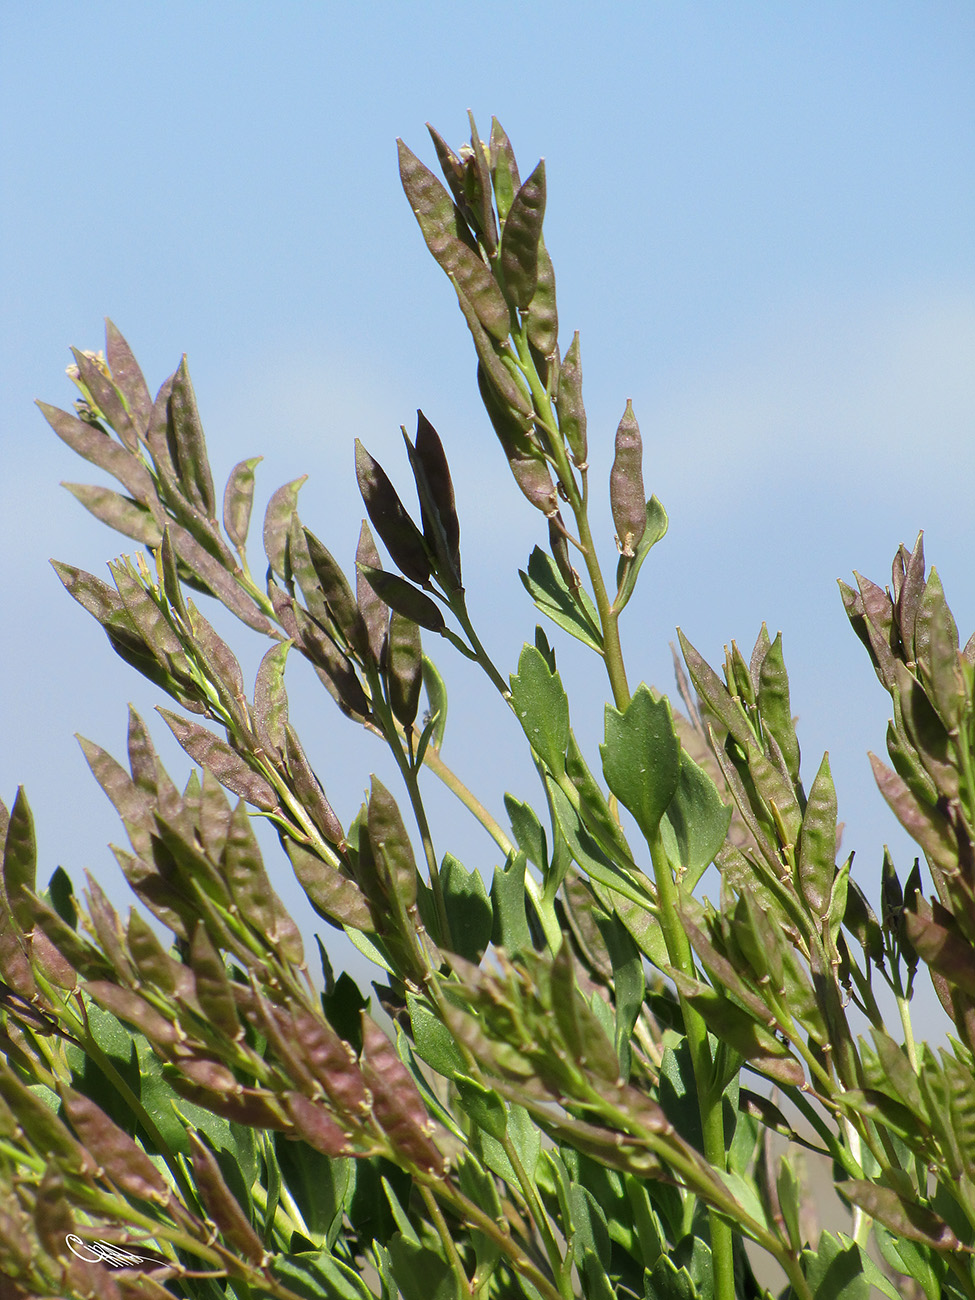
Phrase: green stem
pixel 443 1232
pixel 712 1119
pixel 468 1212
pixel 535 1208
pixel 608 616
pixel 541 1218
pixel 455 785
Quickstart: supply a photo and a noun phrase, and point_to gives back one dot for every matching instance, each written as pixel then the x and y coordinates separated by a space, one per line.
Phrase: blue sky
pixel 762 219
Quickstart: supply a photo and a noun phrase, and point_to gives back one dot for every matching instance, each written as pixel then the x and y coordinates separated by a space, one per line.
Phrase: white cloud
pixel 887 386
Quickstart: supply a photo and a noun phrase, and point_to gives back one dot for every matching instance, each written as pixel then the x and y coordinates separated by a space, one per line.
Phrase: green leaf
pixel 698 819
pixel 641 758
pixel 588 1227
pixel 528 832
pixel 436 689
pixel 573 611
pixel 540 705
pixel 628 568
pixel 511 930
pixel 484 1106
pixel 312 1276
pixel 628 983
pixel 420 1273
pixel 840 1270
pixel 433 1040
pixel 469 909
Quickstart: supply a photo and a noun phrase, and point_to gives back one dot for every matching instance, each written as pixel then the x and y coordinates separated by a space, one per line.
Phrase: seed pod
pixel 238 498
pixel 543 315
pixel 521 237
pixel 434 486
pixel 404 668
pixel 94 377
pixel 128 377
pixel 560 550
pixel 568 403
pixel 404 598
pixel 443 227
pixel 374 612
pixel 402 538
pixel 453 170
pixel 504 169
pixel 626 494
pixel 477 187
pixel 530 471
pixel 186 434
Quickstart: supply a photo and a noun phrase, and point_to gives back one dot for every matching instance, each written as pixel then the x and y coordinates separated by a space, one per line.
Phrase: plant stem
pixel 443 1232
pixel 712 1119
pixel 455 785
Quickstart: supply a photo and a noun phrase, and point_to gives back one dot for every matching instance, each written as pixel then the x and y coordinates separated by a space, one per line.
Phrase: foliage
pixel 583 1076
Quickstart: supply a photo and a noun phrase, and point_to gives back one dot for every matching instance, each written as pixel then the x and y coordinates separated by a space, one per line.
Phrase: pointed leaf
pixel 641 758
pixel 540 705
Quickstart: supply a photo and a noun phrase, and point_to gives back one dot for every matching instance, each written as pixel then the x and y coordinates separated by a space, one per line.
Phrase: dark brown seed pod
pixel 401 537
pixel 404 668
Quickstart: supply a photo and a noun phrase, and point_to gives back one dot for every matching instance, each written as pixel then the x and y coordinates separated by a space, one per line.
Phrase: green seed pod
pixel 626 494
